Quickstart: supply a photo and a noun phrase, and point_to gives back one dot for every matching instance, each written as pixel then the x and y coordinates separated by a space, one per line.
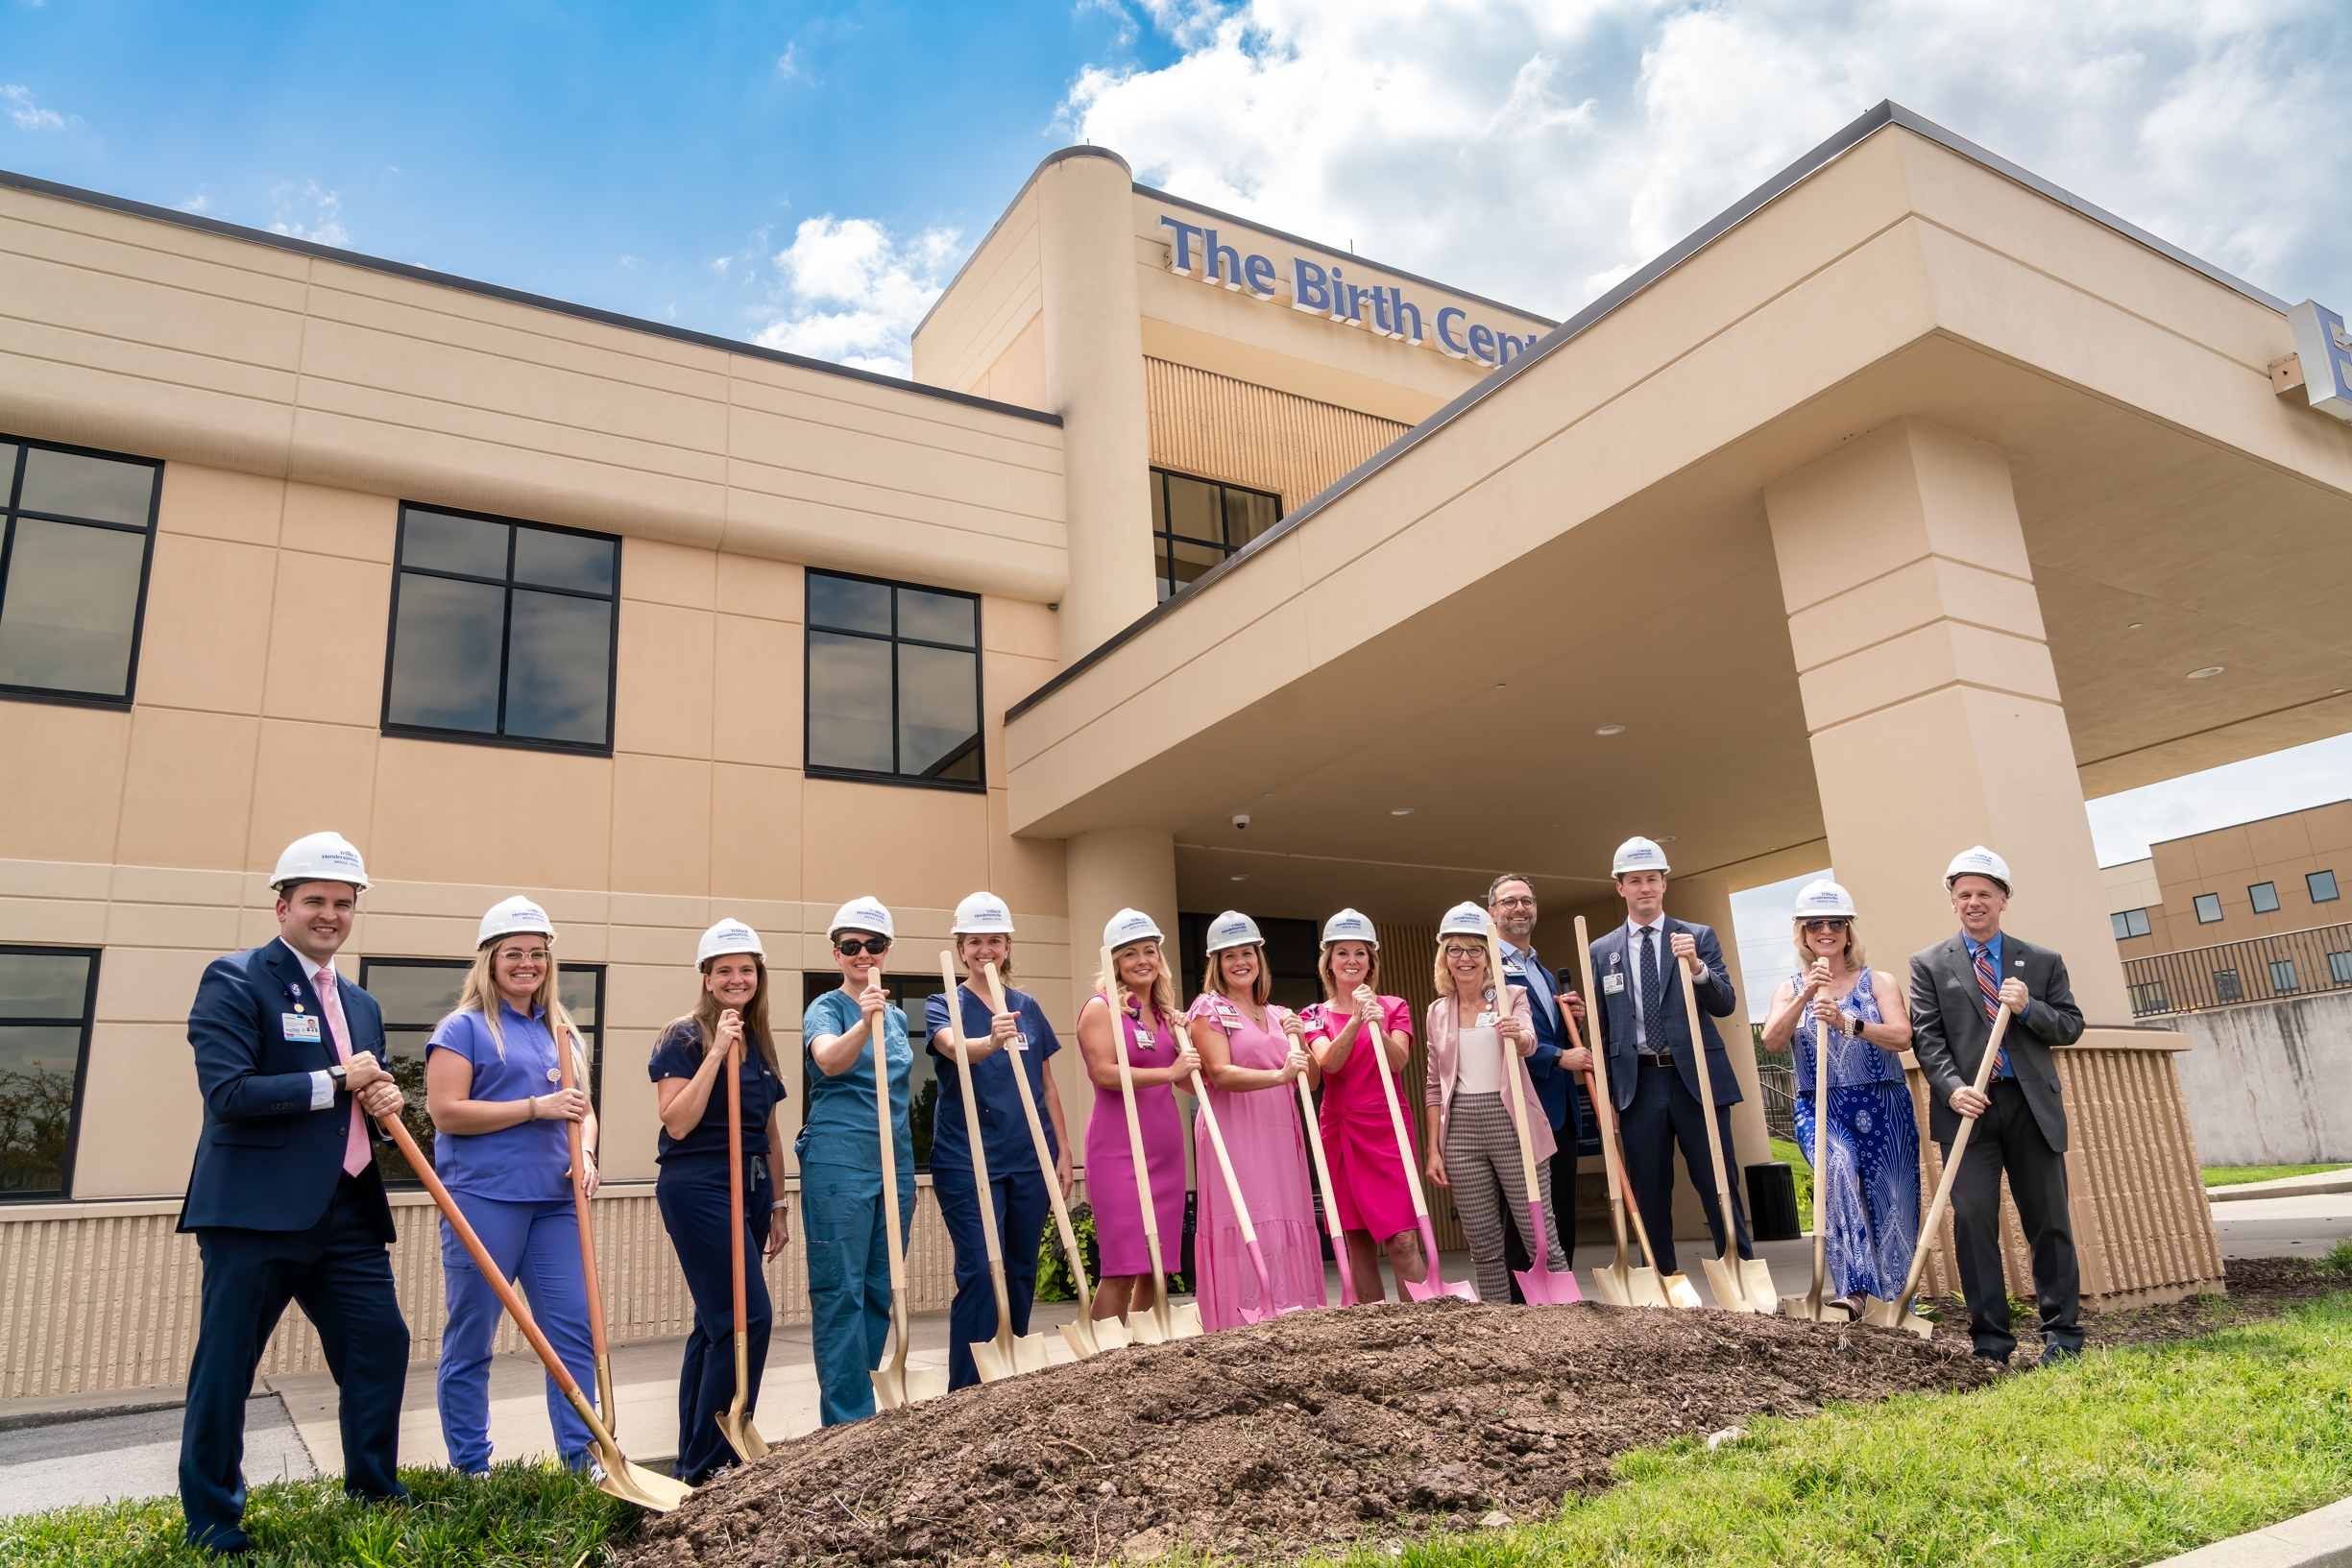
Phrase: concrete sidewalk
pixel 2305 1186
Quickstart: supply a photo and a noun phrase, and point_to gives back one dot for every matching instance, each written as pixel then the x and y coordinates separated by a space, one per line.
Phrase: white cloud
pixel 31 116
pixel 198 203
pixel 325 214
pixel 2124 825
pixel 849 291
pixel 1539 152
pixel 789 67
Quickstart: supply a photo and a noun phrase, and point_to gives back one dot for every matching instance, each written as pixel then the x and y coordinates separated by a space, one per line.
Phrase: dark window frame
pixel 2311 887
pixel 2256 892
pixel 8 512
pixel 2197 903
pixel 595 1060
pixel 815 982
pixel 476 738
pixel 1164 536
pixel 63 1193
pixel 2122 922
pixel 813 770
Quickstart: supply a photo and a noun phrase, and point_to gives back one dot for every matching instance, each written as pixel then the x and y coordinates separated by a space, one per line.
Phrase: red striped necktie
pixel 1989 984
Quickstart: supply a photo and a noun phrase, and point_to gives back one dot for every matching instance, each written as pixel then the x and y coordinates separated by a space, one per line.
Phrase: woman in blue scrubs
pixel 494 1089
pixel 693 1187
pixel 841 1164
pixel 995 1043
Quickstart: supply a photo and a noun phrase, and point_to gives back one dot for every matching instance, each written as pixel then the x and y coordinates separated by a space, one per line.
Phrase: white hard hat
pixel 515 915
pixel 1463 919
pixel 1638 855
pixel 861 915
pixel 1232 929
pixel 1823 898
pixel 727 937
pixel 1130 925
pixel 320 857
pixel 980 914
pixel 1350 925
pixel 1978 862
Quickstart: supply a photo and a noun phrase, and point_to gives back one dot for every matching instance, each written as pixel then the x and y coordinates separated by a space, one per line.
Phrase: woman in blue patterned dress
pixel 1870 1178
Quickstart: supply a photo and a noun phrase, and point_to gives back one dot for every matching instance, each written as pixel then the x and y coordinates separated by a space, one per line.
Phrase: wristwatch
pixel 1853 1023
pixel 338 1074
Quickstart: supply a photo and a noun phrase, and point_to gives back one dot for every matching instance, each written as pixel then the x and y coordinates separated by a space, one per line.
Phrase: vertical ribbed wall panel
pixel 1215 427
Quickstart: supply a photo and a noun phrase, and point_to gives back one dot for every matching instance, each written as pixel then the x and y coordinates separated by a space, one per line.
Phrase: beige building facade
pixel 1882 517
pixel 2264 878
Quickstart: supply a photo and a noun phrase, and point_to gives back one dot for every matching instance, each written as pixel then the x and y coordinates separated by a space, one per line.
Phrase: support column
pixel 1931 700
pixel 1094 380
pixel 1113 869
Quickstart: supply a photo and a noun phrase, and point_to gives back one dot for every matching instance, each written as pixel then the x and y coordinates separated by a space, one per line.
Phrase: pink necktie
pixel 330 1002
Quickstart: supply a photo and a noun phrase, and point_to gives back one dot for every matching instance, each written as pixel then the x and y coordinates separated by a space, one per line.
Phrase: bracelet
pixel 778 1204
pixel 533 1102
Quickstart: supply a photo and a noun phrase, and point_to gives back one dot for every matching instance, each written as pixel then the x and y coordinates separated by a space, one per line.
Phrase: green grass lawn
pixel 1794 1157
pixel 523 1513
pixel 2232 1175
pixel 2127 1457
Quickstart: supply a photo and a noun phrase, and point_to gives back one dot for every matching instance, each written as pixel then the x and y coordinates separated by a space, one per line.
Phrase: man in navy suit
pixel 285 1200
pixel 1653 1073
pixel 1511 903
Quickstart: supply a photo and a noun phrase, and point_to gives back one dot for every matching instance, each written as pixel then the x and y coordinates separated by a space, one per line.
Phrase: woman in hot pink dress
pixel 1158 1055
pixel 1375 1203
pixel 1251 1063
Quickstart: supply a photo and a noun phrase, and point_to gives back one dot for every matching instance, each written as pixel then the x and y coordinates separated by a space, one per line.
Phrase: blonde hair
pixel 1441 979
pixel 1261 989
pixel 707 1007
pixel 481 994
pixel 1331 987
pixel 1853 953
pixel 1163 983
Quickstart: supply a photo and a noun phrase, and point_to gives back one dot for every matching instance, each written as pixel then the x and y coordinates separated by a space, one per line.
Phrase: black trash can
pixel 1772 1202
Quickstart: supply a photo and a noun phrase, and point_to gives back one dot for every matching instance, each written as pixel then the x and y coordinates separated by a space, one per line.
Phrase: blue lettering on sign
pixel 1406 307
pixel 2325 349
pixel 1217 270
pixel 1260 276
pixel 1310 286
pixel 1482 344
pixel 1446 344
pixel 1184 231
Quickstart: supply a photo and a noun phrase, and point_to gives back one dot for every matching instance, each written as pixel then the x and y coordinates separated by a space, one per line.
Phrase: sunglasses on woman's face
pixel 1836 925
pixel 852 947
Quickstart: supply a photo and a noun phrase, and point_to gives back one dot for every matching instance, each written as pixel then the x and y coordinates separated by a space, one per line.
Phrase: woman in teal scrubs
pixel 841 1164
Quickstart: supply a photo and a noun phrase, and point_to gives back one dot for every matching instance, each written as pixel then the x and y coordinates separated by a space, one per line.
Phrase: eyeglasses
pixel 1836 924
pixel 852 947
pixel 537 955
pixel 1466 953
pixel 1522 901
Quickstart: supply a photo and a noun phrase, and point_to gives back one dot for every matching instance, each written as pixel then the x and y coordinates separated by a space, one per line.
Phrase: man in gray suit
pixel 1956 988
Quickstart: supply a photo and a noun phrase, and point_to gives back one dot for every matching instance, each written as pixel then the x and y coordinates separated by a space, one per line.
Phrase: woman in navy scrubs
pixel 693 1188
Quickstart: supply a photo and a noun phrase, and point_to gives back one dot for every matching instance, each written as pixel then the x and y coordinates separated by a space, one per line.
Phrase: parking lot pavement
pixel 137 1455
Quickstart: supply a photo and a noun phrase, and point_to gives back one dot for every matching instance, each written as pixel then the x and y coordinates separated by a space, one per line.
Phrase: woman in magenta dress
pixel 1370 1181
pixel 1251 1063
pixel 1158 1055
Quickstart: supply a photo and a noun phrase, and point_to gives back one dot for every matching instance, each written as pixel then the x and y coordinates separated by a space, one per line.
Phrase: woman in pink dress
pixel 1251 1063
pixel 1158 1055
pixel 1375 1201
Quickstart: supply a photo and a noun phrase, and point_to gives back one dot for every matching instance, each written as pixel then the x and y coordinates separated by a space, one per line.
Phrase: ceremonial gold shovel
pixel 1740 1285
pixel 1641 1287
pixel 614 1474
pixel 894 1386
pixel 1900 1313
pixel 735 1420
pixel 1009 1354
pixel 1162 1320
pixel 1539 1282
pixel 1086 1337
pixel 1812 1306
pixel 589 1282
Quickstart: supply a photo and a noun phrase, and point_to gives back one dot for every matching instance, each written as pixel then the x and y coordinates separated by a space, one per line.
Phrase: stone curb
pixel 2321 1538
pixel 2247 1191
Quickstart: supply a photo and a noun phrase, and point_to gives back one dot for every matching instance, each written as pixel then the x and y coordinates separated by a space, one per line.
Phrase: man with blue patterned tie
pixel 1957 988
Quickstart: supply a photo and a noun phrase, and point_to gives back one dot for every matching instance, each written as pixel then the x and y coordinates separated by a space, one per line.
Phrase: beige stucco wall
pixel 2230 861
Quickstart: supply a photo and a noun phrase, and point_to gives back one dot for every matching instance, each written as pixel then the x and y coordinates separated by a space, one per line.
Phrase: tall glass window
pixel 79 529
pixel 46 999
pixel 1196 524
pixel 415 994
pixel 893 675
pixel 908 991
pixel 502 631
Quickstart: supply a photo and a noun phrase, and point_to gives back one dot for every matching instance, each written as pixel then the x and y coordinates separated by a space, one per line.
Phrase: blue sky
pixel 810 176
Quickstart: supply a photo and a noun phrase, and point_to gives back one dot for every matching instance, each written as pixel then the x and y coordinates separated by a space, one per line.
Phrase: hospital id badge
pixel 1614 985
pixel 1020 1041
pixel 1486 1021
pixel 301 1026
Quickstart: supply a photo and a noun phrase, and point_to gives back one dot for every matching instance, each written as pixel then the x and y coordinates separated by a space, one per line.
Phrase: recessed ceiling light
pixel 1611 729
pixel 1499 684
pixel 1666 838
pixel 1243 877
pixel 2338 693
pixel 2134 626
pixel 2208 670
pixel 1401 812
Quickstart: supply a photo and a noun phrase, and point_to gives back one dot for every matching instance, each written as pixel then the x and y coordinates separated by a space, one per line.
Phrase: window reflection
pixel 69 602
pixel 44 1003
pixel 1197 524
pixel 446 660
pixel 559 654
pixel 893 676
pixel 77 485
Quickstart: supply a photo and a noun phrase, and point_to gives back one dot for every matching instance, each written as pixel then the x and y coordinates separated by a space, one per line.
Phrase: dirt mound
pixel 1264 1442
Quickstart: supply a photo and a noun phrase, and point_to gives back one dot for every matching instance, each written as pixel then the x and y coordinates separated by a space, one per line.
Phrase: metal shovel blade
pixel 615 1475
pixel 1679 1293
pixel 1092 1335
pixel 735 1421
pixel 1009 1355
pixel 1887 1314
pixel 1755 1278
pixel 1725 1282
pixel 1811 1309
pixel 895 1389
pixel 1144 1325
pixel 1542 1285
pixel 1434 1283
pixel 1610 1283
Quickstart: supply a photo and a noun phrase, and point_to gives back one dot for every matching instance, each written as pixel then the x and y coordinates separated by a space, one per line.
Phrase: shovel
pixel 594 1286
pixel 1160 1321
pixel 1323 1171
pixel 1900 1313
pixel 614 1474
pixel 1538 1282
pixel 1086 1337
pixel 1007 1355
pixel 735 1421
pixel 1739 1284
pixel 1433 1282
pixel 1621 1283
pixel 1241 1211
pixel 1810 1307
pixel 894 1386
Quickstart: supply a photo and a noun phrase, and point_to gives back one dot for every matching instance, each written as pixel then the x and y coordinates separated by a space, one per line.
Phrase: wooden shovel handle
pixel 1509 1058
pixel 576 1133
pixel 1951 1163
pixel 735 1179
pixel 1045 1166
